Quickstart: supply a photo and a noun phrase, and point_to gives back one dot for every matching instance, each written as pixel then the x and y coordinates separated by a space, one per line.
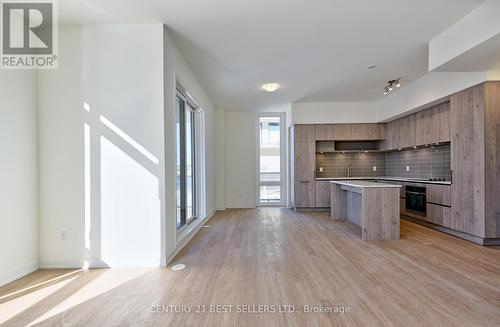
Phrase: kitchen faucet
pixel 348 171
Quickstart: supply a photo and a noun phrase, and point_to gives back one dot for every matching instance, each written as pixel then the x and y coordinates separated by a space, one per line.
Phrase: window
pixel 189 160
pixel 271 174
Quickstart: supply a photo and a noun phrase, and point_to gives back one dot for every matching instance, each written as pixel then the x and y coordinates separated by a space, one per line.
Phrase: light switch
pixel 407 168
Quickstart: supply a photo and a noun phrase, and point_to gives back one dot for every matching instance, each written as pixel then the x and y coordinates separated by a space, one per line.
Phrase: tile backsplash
pixel 361 164
pixel 424 163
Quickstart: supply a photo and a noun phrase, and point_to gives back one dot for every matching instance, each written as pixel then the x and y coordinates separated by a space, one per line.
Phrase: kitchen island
pixel 372 206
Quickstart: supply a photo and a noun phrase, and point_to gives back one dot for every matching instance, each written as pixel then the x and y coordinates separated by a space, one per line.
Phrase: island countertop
pixel 364 184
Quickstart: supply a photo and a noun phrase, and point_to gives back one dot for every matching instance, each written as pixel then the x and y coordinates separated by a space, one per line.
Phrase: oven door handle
pixel 416 193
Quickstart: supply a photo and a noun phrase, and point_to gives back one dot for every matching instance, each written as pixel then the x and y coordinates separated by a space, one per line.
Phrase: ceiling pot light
pixel 271 87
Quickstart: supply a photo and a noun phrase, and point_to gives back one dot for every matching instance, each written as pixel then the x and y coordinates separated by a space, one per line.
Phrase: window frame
pixel 283 161
pixel 198 157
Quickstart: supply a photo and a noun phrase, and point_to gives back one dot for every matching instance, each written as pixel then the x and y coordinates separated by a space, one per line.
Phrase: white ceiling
pixel 318 50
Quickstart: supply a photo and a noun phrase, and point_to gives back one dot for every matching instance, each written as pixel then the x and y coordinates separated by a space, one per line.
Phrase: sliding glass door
pixel 186 161
pixel 271 159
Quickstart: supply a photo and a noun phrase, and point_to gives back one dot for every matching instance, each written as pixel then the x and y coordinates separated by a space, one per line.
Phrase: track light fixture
pixel 395 83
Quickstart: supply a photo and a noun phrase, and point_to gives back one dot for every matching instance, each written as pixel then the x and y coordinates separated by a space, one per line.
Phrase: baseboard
pixel 72 263
pixel 468 237
pixel 52 263
pixel 21 271
pixel 189 236
pixel 220 209
pixel 311 209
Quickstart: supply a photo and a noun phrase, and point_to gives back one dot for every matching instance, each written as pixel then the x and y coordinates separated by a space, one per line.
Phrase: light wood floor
pixel 272 257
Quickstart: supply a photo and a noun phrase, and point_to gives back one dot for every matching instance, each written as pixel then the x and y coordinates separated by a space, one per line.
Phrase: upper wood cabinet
pixel 343 132
pixel 305 133
pixel 325 132
pixel 425 128
pixel 444 123
pixel 407 131
pixel 433 125
pixel 359 132
pixel 393 134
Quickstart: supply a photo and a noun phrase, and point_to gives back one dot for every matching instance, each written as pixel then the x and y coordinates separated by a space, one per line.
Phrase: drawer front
pixel 439 194
pixel 439 215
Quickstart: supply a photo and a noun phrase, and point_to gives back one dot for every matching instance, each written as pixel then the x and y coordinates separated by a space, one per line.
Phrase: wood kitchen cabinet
pixel 393 134
pixel 475 160
pixel 433 125
pixel 439 215
pixel 444 123
pixel 323 194
pixel 439 194
pixel 325 132
pixel 467 160
pixel 304 165
pixel 407 131
pixel 305 194
pixel 304 133
pixel 342 132
pixel 367 132
pixel 305 161
pixel 425 129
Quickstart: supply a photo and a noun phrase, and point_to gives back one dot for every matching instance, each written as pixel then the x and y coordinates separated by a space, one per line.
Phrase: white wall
pixel 117 71
pixel 18 174
pixel 125 75
pixel 176 69
pixel 429 88
pixel 475 28
pixel 332 112
pixel 220 171
pixel 240 135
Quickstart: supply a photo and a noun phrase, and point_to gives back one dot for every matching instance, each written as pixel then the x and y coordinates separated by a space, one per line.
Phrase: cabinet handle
pixel 305 182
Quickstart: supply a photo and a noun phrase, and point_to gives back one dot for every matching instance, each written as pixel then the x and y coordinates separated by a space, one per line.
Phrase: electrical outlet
pixel 407 168
pixel 63 235
pixel 374 168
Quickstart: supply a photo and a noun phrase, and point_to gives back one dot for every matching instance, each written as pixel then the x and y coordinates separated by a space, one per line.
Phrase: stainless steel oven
pixel 416 199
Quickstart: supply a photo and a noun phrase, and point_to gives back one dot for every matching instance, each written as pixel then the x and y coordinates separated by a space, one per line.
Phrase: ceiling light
pixel 271 87
pixel 391 84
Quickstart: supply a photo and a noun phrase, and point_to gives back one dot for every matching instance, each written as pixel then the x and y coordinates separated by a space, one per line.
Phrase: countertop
pixel 384 178
pixel 364 184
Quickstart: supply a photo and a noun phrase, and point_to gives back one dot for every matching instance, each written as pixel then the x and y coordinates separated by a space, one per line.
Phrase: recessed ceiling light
pixel 271 87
